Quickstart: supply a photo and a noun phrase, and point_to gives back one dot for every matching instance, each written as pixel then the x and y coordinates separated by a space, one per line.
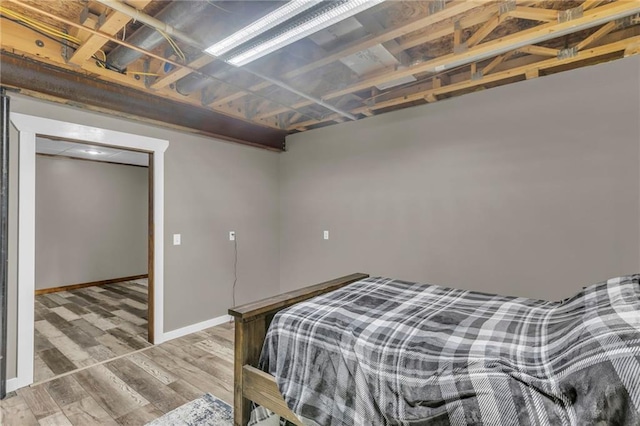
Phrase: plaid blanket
pixel 389 352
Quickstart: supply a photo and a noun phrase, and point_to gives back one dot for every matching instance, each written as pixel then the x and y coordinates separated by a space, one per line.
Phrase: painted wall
pixel 91 221
pixel 211 187
pixel 531 189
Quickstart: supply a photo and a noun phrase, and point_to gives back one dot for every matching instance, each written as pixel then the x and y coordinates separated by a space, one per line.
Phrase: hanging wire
pixel 174 46
pixel 55 34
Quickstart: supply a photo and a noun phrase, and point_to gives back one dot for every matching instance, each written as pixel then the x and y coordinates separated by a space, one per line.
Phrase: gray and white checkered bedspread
pixel 389 352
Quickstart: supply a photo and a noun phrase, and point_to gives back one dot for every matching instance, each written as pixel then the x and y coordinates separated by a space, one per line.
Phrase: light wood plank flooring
pixel 133 389
pixel 79 328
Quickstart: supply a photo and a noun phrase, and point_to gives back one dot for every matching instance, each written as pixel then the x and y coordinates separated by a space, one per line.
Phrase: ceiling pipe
pixel 176 15
pixel 147 53
pixel 172 31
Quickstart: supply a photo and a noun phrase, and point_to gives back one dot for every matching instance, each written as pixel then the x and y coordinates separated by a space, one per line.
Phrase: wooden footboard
pixel 251 324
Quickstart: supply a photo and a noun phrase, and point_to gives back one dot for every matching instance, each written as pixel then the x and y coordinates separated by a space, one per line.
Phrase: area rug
pixel 204 411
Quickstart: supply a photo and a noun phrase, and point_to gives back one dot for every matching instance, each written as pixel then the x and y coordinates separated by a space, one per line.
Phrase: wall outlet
pixel 177 240
pixel 326 235
pixel 232 235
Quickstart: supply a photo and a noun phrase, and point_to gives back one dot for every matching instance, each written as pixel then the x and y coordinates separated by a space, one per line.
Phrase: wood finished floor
pixel 131 390
pixel 79 328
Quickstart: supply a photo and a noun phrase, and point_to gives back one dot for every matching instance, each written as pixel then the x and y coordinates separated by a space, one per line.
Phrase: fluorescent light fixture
pixel 93 152
pixel 328 17
pixel 271 20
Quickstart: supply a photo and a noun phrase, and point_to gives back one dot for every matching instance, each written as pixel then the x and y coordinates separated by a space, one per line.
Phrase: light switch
pixel 176 239
pixel 232 235
pixel 326 235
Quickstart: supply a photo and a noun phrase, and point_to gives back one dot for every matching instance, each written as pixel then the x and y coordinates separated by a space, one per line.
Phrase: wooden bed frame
pixel 251 324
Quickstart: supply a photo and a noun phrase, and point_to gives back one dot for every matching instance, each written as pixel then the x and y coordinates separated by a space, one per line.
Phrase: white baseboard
pixel 194 328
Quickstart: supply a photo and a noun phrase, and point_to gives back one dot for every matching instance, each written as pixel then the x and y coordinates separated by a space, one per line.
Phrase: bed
pixel 359 350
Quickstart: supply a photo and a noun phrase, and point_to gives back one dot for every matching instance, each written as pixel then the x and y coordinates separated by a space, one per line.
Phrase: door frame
pixel 28 128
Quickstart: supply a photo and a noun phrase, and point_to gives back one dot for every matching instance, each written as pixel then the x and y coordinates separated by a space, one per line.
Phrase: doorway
pixel 91 298
pixel 29 127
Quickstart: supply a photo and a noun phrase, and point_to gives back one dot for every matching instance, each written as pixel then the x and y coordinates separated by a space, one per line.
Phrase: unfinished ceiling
pixel 393 55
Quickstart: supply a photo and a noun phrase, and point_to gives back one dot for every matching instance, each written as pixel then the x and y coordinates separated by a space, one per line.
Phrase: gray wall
pixel 530 189
pixel 91 221
pixel 211 188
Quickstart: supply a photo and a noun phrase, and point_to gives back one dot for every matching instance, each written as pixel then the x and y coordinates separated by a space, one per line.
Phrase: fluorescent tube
pixel 270 20
pixel 341 11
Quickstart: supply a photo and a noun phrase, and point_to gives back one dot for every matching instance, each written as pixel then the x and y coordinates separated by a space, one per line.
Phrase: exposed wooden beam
pixel 603 31
pixel 632 49
pixel 532 73
pixel 160 58
pixel 484 31
pixel 440 80
pixel 534 14
pixel 590 4
pixel 91 21
pixel 446 27
pixel 495 62
pixel 454 8
pixel 430 97
pixel 630 45
pixel 539 50
pixel 22 39
pixel 176 75
pixel 504 43
pixel 114 22
pixel 60 84
pixel 457 35
pixel 512 72
pixel 295 117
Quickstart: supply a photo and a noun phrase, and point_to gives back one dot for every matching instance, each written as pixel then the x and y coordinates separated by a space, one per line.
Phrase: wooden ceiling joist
pixel 539 50
pixel 452 9
pixel 176 75
pixel 446 27
pixel 590 4
pixel 534 14
pixel 21 39
pixel 127 79
pixel 603 31
pixel 485 30
pixel 509 73
pixel 56 84
pixel 511 42
pixel 495 62
pixel 459 47
pixel 114 22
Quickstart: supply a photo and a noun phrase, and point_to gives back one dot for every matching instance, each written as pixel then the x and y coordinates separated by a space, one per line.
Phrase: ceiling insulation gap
pixel 366 61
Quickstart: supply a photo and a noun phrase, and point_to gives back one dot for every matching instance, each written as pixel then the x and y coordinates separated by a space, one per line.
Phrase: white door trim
pixel 28 127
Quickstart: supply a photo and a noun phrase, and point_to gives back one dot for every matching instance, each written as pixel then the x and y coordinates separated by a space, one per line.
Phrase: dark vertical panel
pixel 4 236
